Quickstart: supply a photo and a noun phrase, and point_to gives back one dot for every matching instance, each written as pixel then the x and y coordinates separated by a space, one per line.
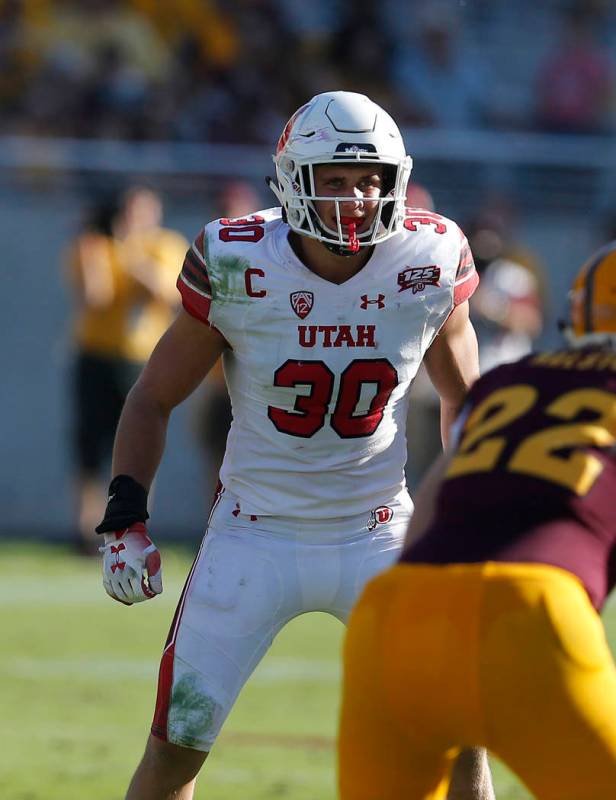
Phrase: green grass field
pixel 77 681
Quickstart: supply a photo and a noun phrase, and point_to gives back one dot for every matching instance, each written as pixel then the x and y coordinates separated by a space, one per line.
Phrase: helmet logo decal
pixel 301 303
pixel 320 135
pixel 284 136
pixel 417 278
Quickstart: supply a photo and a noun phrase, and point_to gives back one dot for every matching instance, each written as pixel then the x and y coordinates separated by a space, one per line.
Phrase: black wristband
pixel 127 503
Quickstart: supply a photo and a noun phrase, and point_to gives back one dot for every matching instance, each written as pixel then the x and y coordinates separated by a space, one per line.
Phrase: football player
pixel 323 309
pixel 487 632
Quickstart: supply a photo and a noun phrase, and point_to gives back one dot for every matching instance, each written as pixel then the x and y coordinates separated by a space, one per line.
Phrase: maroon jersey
pixel 533 477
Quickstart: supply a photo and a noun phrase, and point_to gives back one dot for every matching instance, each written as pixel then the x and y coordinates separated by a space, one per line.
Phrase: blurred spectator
pixel 208 70
pixel 100 61
pixel 204 23
pixel 192 103
pixel 122 269
pixel 608 226
pixel 17 59
pixel 213 409
pixel 437 84
pixel 506 313
pixel 313 23
pixel 79 29
pixel 575 84
pixel 509 305
pixel 417 196
pixel 490 232
pixel 361 52
pixel 247 101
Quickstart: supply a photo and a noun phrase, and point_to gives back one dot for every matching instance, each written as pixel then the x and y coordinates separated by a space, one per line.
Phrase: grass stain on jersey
pixel 192 712
pixel 227 279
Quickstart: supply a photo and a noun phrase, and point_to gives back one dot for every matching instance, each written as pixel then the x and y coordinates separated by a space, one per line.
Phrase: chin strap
pixel 273 185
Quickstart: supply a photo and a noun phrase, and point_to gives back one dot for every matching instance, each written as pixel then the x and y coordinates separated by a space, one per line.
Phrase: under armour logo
pixel 365 302
pixel 115 550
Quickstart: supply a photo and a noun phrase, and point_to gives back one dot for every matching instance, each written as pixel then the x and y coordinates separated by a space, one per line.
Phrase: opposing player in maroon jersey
pixel 487 630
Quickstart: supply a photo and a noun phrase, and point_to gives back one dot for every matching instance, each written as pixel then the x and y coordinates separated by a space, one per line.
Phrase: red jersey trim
pixel 465 287
pixel 196 302
pixel 165 675
pixel 467 277
pixel 163 697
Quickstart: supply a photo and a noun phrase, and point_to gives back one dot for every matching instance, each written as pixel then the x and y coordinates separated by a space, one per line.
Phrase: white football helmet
pixel 334 127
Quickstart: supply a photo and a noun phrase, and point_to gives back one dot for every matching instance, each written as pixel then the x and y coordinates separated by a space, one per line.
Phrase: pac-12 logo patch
pixel 301 303
pixel 380 516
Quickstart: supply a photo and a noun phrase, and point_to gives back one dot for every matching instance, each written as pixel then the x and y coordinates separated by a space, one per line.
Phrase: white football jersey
pixel 319 373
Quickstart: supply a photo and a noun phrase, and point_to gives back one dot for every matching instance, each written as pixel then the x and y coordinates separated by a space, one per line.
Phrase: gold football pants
pixel 511 657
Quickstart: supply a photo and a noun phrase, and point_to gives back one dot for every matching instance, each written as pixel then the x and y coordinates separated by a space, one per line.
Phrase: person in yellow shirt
pixel 122 270
pixel 209 24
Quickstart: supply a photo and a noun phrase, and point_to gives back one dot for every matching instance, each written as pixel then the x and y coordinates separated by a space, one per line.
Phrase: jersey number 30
pixel 310 410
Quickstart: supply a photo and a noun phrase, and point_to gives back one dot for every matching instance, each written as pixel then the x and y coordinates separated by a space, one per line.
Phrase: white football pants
pixel 251 576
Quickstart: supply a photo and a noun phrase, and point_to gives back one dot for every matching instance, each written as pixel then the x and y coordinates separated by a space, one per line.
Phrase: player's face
pixel 360 183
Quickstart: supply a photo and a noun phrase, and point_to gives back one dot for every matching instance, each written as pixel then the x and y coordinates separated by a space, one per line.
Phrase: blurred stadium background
pixel 506 107
pixel 508 110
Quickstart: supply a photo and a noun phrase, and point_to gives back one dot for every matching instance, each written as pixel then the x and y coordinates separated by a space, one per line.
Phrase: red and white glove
pixel 131 565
